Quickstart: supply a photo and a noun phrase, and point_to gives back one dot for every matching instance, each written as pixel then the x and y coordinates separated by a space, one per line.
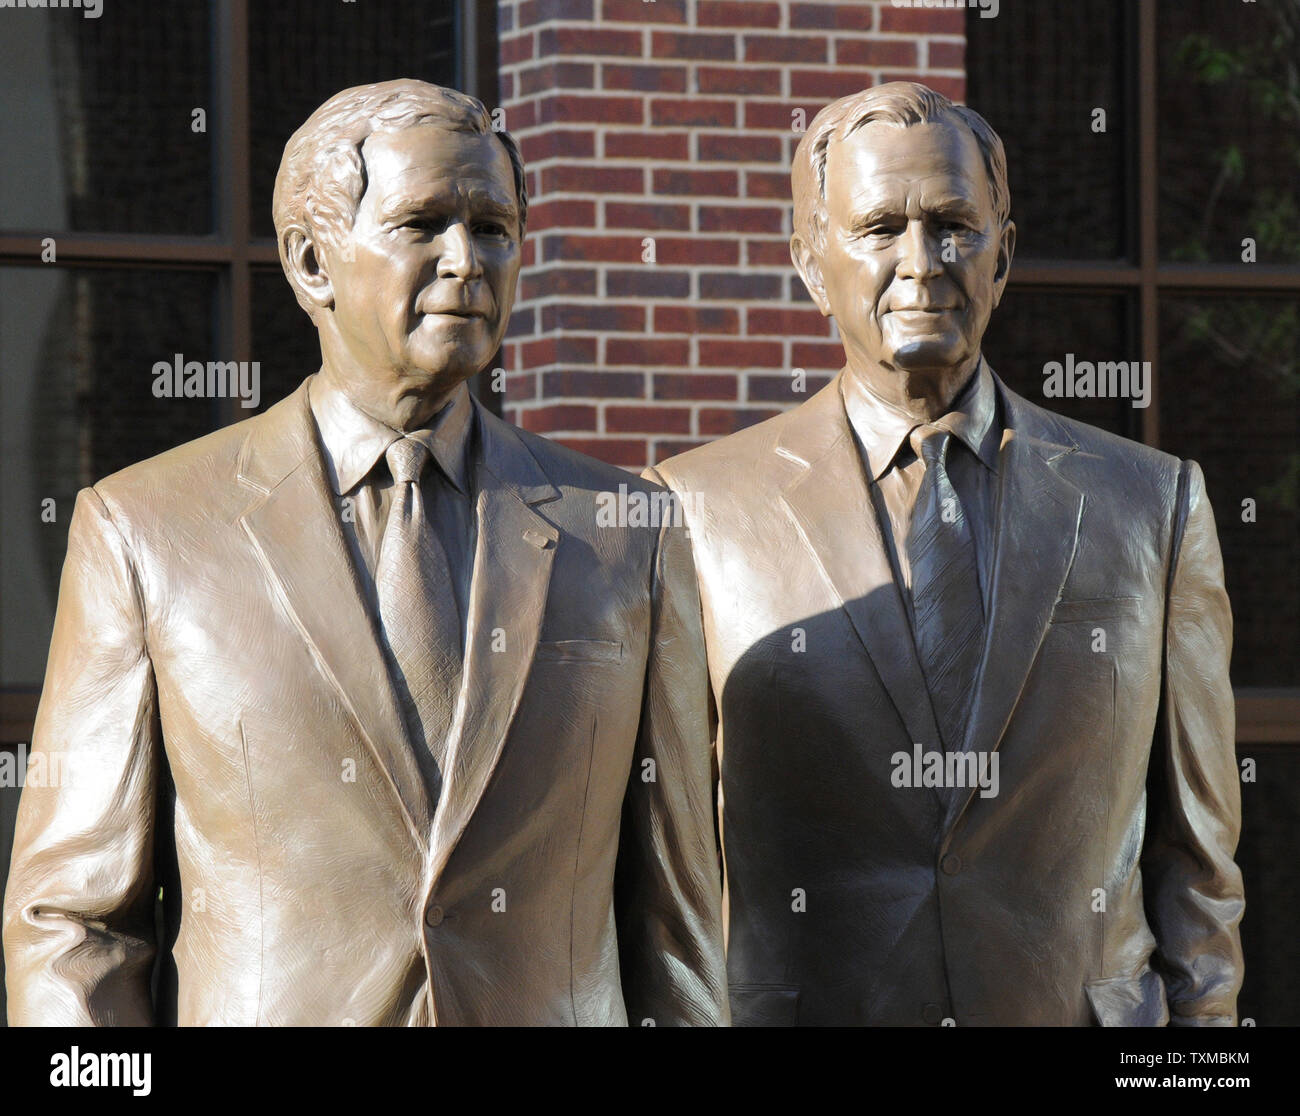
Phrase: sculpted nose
pixel 457 258
pixel 918 256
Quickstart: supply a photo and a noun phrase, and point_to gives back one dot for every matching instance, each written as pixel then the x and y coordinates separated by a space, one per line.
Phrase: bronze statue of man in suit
pixel 405 734
pixel 969 658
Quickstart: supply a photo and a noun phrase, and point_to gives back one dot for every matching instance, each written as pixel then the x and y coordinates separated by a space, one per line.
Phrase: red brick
pixel 846 17
pixel 559 416
pixel 671 448
pixel 947 56
pixel 583 179
pixel 817 354
pixel 521 115
pixel 587 42
pixel 692 113
pixel 594 318
pixel 638 11
pixel 743 285
pixel 750 80
pixel 557 281
pixel 734 13
pixel 648 145
pixel 563 212
pixel 556 75
pixel 951 87
pixel 875 52
pixel 731 147
pixel 767 184
pixel 568 247
pixel 740 354
pixel 644 352
pixel 572 108
pixel 647 215
pixel 768 253
pixel 762 321
pixel 650 77
pixel 558 143
pixel 780 389
pixel 699 251
pixel 648 420
pixel 677 44
pixel 829 85
pixel 780 114
pixel 695 385
pixel 523 322
pixel 612 451
pixel 505 87
pixel 933 21
pixel 521 387
pixel 557 350
pixel 528 254
pixel 740 218
pixel 515 49
pixel 727 420
pixel 532 12
pixel 697 183
pixel 594 385
pixel 696 319
pixel 785 48
pixel 647 281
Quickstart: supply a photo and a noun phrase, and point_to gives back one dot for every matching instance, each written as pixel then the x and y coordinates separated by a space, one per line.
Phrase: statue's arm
pixel 78 919
pixel 1192 886
pixel 668 889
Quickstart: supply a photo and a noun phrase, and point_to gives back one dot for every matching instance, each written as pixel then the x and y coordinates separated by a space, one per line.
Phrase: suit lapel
pixel 294 527
pixel 829 502
pixel 512 570
pixel 1038 520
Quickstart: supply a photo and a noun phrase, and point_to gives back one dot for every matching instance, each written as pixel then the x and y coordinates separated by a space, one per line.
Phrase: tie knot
pixel 930 444
pixel 406 459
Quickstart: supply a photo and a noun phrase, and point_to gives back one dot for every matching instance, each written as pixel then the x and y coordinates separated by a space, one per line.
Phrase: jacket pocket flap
pixel 764 1005
pixel 1096 608
pixel 581 651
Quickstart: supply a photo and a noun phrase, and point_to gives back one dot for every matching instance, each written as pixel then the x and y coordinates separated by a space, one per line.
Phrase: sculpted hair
pixel 903 103
pixel 322 175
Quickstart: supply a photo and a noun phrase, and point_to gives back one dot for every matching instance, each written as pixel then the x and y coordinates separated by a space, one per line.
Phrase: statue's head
pixel 902 228
pixel 400 218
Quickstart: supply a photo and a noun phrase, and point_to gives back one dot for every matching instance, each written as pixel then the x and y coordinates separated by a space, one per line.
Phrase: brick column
pixel 657 307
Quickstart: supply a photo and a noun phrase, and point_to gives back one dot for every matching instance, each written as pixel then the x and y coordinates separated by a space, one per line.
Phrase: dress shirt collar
pixel 354 442
pixel 883 429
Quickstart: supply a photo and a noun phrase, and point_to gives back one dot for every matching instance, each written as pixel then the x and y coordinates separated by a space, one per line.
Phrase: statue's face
pixel 912 264
pixel 424 283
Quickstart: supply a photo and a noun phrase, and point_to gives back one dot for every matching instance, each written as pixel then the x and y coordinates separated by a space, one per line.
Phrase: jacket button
pixel 932 1013
pixel 950 864
pixel 433 916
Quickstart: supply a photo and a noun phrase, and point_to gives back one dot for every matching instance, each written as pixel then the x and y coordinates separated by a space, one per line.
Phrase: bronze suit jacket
pixel 216 678
pixel 1099 884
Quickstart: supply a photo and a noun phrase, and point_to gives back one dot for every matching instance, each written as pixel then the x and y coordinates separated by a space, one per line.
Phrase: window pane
pixel 1230 130
pixel 101 110
pixel 1270 817
pixel 1030 330
pixel 301 52
pixel 284 340
pixel 1228 399
pixel 77 350
pixel 1037 73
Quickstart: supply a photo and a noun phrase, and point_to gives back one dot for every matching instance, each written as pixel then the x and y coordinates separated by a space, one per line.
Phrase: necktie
pixel 946 601
pixel 417 607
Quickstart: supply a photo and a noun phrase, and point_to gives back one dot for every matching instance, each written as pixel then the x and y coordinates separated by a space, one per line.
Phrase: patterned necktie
pixel 417 607
pixel 946 601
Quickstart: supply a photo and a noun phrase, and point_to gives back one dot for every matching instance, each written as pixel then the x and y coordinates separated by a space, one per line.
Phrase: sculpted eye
pixel 491 228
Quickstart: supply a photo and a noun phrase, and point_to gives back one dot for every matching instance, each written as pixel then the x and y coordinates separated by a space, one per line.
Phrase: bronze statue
pixel 970 658
pixel 403 733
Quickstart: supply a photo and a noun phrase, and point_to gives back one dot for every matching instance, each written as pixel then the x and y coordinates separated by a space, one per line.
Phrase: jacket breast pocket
pixel 1097 608
pixel 764 1005
pixel 1129 1001
pixel 580 651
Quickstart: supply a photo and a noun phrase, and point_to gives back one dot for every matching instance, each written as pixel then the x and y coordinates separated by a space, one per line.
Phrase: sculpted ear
pixel 808 265
pixel 306 269
pixel 1006 250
